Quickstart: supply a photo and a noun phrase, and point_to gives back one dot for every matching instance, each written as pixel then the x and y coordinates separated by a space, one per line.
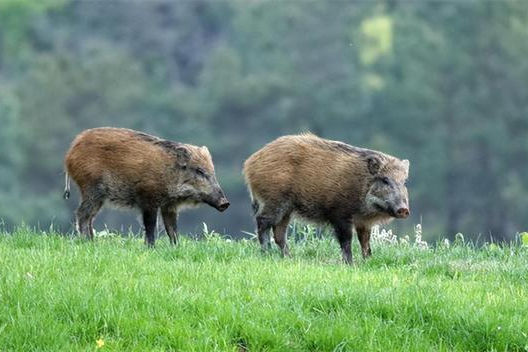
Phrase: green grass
pixel 63 294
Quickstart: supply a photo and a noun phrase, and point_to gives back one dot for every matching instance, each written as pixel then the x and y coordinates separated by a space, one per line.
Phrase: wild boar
pixel 327 182
pixel 132 169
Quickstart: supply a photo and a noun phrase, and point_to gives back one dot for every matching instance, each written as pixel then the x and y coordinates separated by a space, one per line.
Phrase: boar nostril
pixel 223 206
pixel 402 212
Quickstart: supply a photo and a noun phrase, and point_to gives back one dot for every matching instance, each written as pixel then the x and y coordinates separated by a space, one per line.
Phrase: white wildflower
pixel 383 236
pixel 418 230
pixel 404 240
pixel 103 233
pixel 418 242
pixel 421 244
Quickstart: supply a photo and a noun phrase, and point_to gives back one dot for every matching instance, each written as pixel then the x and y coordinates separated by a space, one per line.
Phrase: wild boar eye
pixel 385 180
pixel 200 172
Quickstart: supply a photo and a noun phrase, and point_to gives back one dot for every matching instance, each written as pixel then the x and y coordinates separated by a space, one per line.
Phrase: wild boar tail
pixel 66 194
pixel 255 205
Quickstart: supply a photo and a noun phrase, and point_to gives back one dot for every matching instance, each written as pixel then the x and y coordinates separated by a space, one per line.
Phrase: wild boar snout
pixel 217 199
pixel 389 196
pixel 402 212
pixel 223 205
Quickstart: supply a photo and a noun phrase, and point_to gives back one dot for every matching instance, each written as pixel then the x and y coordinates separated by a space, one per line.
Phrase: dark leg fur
pixel 343 231
pixel 150 217
pixel 91 227
pixel 279 234
pixel 266 219
pixel 364 240
pixel 263 226
pixel 255 206
pixel 85 214
pixel 169 220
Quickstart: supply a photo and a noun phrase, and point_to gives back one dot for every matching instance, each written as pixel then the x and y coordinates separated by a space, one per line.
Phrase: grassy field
pixel 60 293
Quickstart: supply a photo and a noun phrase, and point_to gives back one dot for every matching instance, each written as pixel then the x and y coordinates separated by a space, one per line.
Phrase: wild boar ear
pixel 373 164
pixel 406 166
pixel 205 149
pixel 183 155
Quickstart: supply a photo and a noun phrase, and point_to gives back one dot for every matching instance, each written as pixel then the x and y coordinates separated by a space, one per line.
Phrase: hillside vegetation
pixel 60 293
pixel 441 83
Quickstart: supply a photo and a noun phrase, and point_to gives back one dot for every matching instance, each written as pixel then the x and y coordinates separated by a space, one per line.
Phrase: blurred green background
pixel 441 83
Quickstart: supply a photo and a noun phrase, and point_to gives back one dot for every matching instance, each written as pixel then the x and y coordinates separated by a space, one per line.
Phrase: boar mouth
pixel 402 212
pixel 223 206
pixel 385 209
pixel 398 212
pixel 220 205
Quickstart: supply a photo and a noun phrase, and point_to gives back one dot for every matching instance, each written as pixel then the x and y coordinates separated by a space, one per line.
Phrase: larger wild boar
pixel 327 182
pixel 132 169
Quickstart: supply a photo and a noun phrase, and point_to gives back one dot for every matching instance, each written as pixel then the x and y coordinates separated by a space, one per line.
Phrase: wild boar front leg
pixel 343 231
pixel 150 217
pixel 170 217
pixel 363 233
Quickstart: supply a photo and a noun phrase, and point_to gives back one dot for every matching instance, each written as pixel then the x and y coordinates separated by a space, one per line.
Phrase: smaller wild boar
pixel 132 169
pixel 327 182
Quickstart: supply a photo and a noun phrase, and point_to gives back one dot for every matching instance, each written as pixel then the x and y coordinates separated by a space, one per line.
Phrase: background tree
pixel 439 83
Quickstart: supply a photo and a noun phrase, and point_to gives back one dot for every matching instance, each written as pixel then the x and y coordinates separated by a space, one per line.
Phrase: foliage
pixel 439 83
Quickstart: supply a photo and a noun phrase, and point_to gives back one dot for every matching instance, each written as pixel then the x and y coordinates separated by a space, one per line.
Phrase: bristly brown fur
pixel 318 179
pixel 121 156
pixel 137 170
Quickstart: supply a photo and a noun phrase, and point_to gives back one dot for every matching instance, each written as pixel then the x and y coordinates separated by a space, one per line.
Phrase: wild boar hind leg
pixel 267 219
pixel 279 234
pixel 85 214
pixel 263 226
pixel 170 216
